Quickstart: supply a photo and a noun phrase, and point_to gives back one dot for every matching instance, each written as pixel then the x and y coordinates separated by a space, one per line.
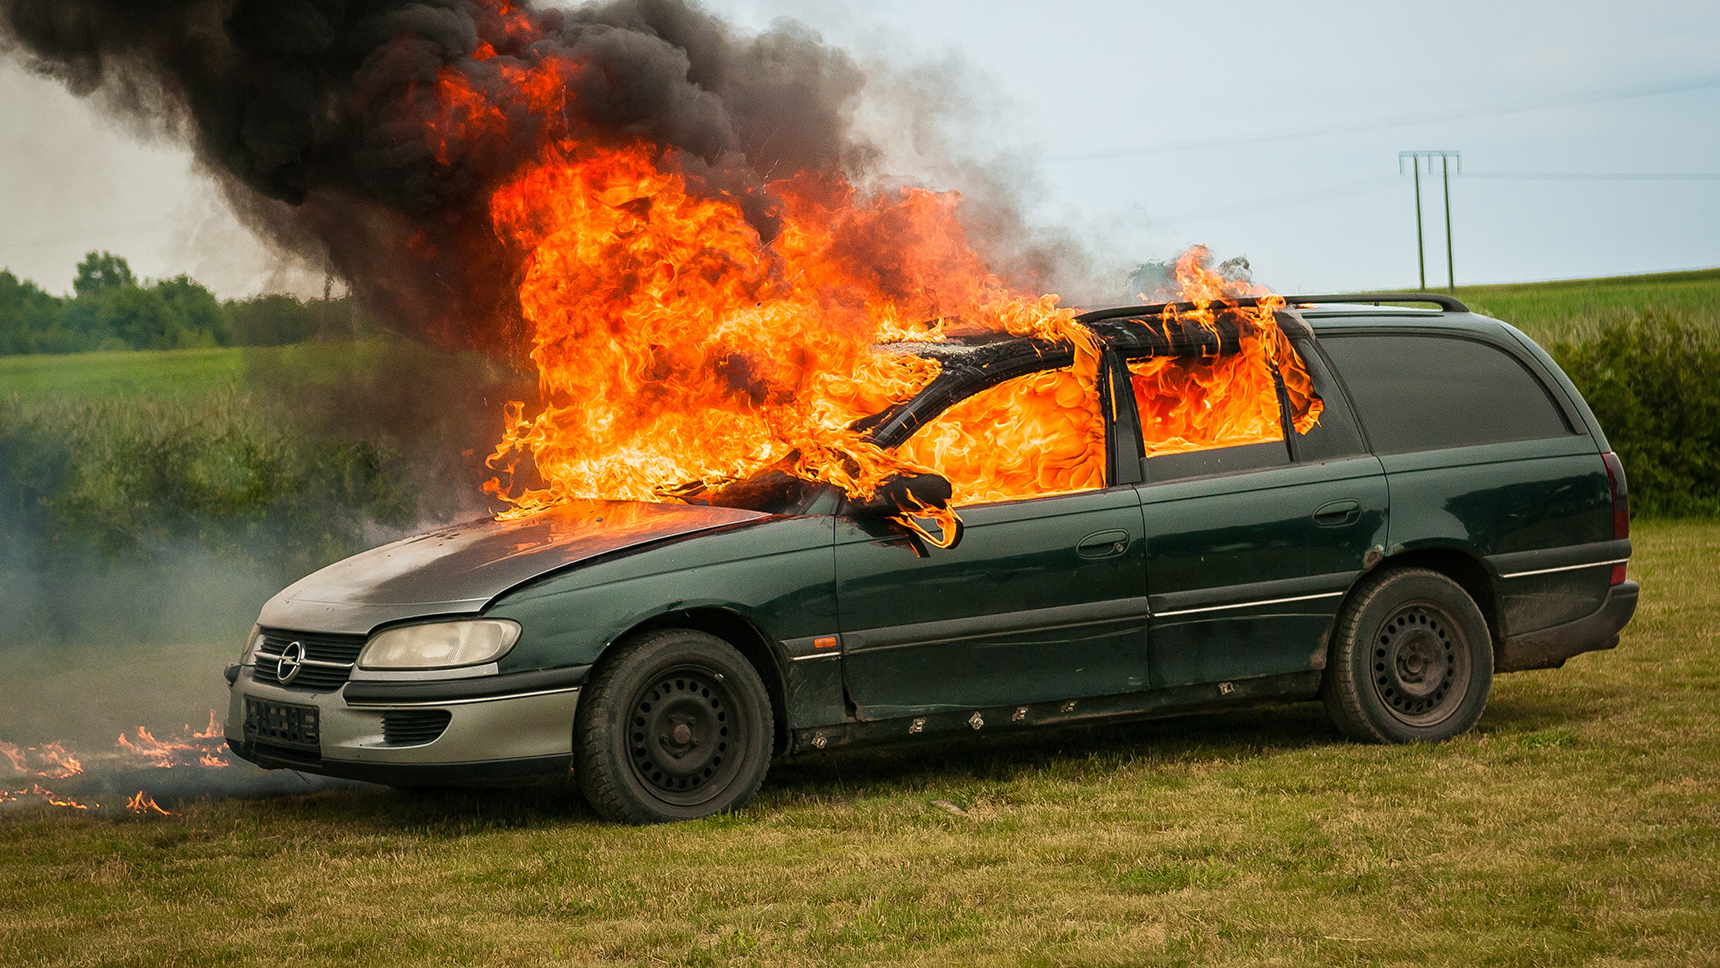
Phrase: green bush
pixel 1654 383
pixel 122 477
pixel 162 516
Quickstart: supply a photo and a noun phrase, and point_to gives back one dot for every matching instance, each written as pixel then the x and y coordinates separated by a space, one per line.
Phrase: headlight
pixel 248 654
pixel 439 645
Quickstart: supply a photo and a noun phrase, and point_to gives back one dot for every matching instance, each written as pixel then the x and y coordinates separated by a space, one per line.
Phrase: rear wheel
pixel 1411 660
pixel 674 725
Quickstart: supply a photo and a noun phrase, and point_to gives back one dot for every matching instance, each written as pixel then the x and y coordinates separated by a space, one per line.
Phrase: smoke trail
pixel 321 118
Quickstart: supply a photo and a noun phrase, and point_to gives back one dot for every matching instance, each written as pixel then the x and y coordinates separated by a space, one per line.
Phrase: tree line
pixel 111 309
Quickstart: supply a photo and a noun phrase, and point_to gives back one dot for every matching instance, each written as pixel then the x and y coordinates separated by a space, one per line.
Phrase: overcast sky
pixel 1253 127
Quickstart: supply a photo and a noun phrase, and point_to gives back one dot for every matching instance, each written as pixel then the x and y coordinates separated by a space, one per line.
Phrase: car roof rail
pixel 1154 309
pixel 1450 304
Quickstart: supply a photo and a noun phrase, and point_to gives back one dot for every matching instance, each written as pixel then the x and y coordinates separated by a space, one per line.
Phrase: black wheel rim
pixel 1420 664
pixel 685 736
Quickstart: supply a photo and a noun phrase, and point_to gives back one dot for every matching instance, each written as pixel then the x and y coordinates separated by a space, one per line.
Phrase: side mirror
pixel 906 499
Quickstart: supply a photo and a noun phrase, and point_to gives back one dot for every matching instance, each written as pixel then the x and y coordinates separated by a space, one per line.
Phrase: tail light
pixel 1620 505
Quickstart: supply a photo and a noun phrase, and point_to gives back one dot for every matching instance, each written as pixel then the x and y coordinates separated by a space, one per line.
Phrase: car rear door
pixel 1252 545
pixel 1483 458
pixel 1043 598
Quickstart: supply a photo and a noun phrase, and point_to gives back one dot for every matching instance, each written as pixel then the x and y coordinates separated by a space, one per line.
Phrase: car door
pixel 1042 599
pixel 1252 538
pixel 1483 458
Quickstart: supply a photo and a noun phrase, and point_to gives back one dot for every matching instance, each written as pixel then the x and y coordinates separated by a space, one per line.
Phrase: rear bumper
pixel 496 735
pixel 1548 648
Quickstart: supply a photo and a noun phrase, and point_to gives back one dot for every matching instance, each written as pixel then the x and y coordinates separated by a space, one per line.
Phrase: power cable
pixel 1350 189
pixel 73 235
pixel 1401 121
pixel 1596 176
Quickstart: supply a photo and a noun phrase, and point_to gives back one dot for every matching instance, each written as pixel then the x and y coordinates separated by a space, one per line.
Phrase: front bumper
pixel 502 730
pixel 1549 648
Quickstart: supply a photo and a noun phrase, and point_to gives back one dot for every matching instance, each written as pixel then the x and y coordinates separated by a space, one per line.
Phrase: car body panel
pixel 1499 499
pixel 1244 581
pixel 1043 599
pixel 775 572
pixel 457 570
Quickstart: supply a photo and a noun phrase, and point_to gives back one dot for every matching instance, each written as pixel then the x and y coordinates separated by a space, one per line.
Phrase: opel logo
pixel 292 660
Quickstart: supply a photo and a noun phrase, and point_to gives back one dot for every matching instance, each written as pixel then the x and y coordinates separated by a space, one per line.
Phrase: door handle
pixel 1103 544
pixel 1336 514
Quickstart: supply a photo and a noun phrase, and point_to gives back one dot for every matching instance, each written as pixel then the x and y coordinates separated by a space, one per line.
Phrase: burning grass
pixel 1578 824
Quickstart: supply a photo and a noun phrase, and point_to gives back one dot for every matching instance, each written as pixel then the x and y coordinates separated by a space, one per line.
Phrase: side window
pixel 1207 415
pixel 1334 433
pixel 1032 436
pixel 1429 392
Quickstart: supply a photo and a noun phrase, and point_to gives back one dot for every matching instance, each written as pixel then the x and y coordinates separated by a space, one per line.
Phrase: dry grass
pixel 1578 824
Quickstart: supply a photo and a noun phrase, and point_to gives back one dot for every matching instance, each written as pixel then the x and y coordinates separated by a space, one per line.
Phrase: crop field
pixel 1574 310
pixel 1579 823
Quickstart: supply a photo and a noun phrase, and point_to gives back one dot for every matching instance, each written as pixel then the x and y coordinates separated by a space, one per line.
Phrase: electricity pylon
pixel 1446 159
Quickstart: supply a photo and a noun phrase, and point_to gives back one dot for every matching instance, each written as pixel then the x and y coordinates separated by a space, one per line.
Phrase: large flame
pixel 679 349
pixel 1229 400
pixel 675 345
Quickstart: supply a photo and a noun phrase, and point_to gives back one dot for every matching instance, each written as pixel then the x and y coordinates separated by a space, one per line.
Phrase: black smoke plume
pixel 319 119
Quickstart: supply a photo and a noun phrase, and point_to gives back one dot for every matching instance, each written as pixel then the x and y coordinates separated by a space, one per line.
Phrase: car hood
pixel 462 568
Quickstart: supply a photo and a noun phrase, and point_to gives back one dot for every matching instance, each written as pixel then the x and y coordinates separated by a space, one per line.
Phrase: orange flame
pixel 211 731
pixel 674 345
pixel 144 803
pixel 64 764
pixel 53 760
pixel 679 349
pixel 177 750
pixel 1229 400
pixel 202 748
pixel 48 796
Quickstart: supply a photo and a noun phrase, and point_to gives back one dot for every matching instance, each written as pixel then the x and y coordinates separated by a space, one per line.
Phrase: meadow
pixel 1576 310
pixel 1578 823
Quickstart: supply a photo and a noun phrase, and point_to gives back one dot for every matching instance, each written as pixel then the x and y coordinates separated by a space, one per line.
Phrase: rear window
pixel 1430 392
pixel 1208 415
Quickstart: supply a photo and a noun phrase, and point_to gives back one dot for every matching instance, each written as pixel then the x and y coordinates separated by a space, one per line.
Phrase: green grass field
pixel 186 374
pixel 1578 824
pixel 146 373
pixel 1575 309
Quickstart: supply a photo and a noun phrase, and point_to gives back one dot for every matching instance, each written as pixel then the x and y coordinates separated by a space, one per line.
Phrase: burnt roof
pixel 972 362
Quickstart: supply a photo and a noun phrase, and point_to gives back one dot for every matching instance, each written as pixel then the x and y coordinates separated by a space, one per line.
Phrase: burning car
pixel 1375 506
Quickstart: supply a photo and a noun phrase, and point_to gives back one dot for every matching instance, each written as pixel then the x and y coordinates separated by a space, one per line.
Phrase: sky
pixel 1264 130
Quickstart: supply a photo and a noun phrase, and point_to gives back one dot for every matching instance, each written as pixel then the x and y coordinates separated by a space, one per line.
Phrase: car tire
pixel 1411 660
pixel 674 725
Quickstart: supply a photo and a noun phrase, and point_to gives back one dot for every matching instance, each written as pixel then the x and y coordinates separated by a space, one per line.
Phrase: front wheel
pixel 1411 660
pixel 674 725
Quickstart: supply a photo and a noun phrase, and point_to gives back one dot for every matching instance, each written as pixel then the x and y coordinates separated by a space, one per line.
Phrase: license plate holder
pixel 282 724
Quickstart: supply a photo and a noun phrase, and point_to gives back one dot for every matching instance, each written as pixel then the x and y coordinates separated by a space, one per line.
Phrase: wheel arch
pixel 748 640
pixel 1468 571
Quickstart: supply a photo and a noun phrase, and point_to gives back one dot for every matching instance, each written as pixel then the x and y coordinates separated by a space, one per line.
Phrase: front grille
pixel 410 727
pixel 328 659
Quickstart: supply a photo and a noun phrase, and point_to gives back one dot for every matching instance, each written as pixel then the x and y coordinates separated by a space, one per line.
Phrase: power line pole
pixel 1415 158
pixel 1445 178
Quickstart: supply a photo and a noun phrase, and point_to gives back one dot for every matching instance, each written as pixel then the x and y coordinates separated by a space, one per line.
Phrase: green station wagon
pixel 1454 512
